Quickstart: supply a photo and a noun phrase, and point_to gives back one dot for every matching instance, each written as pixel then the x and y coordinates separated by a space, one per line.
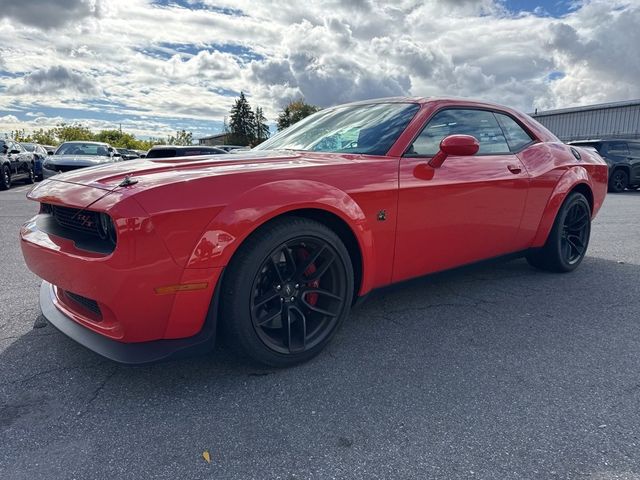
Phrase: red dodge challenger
pixel 145 260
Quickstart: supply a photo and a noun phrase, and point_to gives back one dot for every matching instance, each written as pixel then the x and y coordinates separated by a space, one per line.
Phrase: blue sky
pixel 157 66
pixel 552 7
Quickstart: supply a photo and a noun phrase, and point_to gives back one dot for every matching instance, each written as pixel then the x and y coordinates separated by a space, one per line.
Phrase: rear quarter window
pixel 517 137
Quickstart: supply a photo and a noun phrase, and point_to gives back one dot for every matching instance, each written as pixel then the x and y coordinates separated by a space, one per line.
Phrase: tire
pixel 31 178
pixel 619 181
pixel 5 178
pixel 568 240
pixel 286 292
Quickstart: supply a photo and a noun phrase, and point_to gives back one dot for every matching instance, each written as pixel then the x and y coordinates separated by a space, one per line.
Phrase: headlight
pixel 106 228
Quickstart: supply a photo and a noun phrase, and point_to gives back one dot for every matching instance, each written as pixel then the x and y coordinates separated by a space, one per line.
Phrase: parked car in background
pixel 50 149
pixel 16 164
pixel 141 153
pixel 228 148
pixel 80 154
pixel 40 155
pixel 275 244
pixel 167 151
pixel 623 158
pixel 128 154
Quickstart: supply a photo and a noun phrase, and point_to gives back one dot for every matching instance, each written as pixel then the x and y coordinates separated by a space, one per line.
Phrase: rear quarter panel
pixel 555 172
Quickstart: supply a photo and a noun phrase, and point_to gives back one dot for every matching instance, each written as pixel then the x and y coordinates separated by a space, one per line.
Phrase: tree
pixel 242 122
pixel 20 136
pixel 182 137
pixel 76 131
pixel 293 112
pixel 262 129
pixel 44 137
pixel 116 138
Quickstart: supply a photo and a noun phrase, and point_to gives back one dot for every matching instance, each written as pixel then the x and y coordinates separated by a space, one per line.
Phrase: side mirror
pixel 456 145
pixel 14 151
pixel 49 152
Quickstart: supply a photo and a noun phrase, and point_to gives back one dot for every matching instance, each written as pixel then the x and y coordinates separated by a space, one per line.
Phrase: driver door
pixel 466 210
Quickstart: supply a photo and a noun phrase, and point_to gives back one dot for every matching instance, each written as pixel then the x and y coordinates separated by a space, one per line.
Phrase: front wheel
pixel 5 178
pixel 286 292
pixel 567 243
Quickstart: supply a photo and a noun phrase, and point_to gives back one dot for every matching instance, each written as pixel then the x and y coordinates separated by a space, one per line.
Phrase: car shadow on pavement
pixel 493 352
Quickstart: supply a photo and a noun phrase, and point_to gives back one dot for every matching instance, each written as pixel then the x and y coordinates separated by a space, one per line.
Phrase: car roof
pixel 628 140
pixel 85 141
pixel 424 100
pixel 158 147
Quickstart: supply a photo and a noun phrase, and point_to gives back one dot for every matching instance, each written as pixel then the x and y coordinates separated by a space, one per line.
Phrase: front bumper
pixel 119 295
pixel 128 353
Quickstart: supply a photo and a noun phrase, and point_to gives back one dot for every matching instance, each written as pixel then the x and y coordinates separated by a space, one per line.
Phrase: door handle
pixel 514 168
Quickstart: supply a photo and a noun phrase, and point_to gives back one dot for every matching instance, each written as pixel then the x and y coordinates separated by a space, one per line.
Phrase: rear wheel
pixel 32 176
pixel 619 181
pixel 286 292
pixel 568 240
pixel 5 178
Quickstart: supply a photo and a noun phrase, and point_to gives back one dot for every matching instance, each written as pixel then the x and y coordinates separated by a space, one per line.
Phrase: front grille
pixel 87 303
pixel 84 221
pixel 62 168
pixel 89 230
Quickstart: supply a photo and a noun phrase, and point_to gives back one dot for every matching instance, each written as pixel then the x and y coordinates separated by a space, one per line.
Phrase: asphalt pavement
pixel 493 372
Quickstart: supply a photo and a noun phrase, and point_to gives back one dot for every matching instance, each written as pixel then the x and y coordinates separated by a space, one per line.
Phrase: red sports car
pixel 145 260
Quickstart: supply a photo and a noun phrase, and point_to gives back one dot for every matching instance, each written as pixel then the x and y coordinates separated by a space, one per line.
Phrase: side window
pixel 634 149
pixel 516 136
pixel 618 148
pixel 478 123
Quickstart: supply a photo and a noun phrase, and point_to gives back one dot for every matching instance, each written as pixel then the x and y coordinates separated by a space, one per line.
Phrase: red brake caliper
pixel 312 298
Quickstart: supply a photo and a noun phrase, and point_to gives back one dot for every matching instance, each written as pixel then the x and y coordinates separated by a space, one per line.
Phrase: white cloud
pixel 129 59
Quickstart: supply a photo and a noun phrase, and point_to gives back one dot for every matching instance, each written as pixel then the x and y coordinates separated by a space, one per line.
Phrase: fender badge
pixel 382 215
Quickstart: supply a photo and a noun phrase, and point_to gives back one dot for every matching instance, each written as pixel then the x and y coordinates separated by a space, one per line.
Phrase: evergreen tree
pixel 262 129
pixel 242 122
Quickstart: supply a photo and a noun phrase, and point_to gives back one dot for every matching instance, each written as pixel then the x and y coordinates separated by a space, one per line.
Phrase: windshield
pixel 369 129
pixel 77 148
pixel 29 147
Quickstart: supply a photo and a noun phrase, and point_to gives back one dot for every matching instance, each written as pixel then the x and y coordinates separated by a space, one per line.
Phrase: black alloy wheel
pixel 619 181
pixel 286 291
pixel 575 232
pixel 568 240
pixel 5 178
pixel 298 295
pixel 32 176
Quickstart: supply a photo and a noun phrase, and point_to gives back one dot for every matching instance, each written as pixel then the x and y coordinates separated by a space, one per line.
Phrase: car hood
pixel 148 173
pixel 86 160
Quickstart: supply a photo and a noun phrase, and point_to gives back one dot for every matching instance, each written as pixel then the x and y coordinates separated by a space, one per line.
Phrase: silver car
pixel 79 154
